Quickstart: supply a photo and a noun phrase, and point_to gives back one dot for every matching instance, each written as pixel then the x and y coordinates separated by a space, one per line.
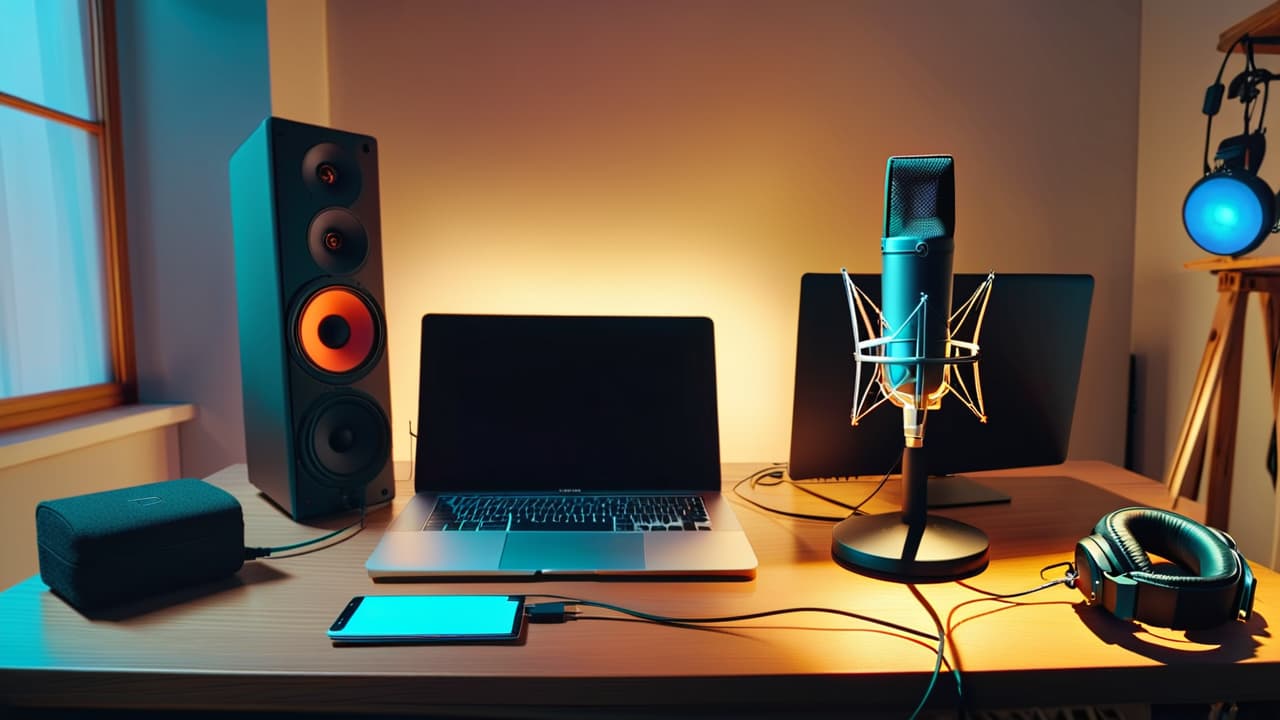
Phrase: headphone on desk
pixel 1206 583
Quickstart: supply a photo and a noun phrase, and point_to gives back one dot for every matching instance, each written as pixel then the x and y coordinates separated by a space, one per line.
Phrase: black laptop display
pixel 1032 346
pixel 552 403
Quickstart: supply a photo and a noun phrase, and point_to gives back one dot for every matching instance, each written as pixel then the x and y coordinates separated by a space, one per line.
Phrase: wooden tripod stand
pixel 1213 414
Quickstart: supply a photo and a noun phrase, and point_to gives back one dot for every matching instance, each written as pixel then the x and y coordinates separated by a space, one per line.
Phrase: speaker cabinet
pixel 313 359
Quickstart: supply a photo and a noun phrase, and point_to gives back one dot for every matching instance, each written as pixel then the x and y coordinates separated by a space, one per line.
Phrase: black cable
pixel 557 612
pixel 1007 596
pixel 775 476
pixel 1253 77
pixel 1247 92
pixel 942 646
pixel 413 441
pixel 896 464
pixel 856 509
pixel 671 620
pixel 1266 95
pixel 1068 578
pixel 833 501
pixel 1209 123
pixel 254 553
pixel 764 472
pixel 777 470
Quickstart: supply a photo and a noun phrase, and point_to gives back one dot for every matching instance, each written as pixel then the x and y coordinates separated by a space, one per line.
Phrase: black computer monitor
pixel 1032 346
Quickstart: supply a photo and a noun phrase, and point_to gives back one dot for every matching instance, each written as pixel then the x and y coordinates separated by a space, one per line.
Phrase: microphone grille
pixel 920 196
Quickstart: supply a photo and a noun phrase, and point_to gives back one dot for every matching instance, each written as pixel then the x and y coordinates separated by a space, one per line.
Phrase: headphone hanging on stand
pixel 1206 583
pixel 1230 210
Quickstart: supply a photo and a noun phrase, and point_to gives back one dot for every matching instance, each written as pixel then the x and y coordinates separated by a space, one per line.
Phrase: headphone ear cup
pixel 1229 211
pixel 1267 200
pixel 1092 562
pixel 1275 210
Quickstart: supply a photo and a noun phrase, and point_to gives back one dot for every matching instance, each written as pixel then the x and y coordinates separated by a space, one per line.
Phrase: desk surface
pixel 257 641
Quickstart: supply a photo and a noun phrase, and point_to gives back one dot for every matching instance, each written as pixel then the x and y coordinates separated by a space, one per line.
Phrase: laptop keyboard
pixel 626 513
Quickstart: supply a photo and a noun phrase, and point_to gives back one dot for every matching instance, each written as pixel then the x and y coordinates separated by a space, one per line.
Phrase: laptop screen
pixel 1032 346
pixel 545 403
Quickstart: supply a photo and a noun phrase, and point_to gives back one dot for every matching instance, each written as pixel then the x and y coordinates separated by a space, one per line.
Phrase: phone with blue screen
pixel 430 619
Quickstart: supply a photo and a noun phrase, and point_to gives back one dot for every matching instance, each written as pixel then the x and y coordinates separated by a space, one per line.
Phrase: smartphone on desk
pixel 413 619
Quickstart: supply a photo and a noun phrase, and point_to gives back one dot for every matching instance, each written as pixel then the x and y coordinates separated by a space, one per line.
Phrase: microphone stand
pixel 910 546
pixel 915 486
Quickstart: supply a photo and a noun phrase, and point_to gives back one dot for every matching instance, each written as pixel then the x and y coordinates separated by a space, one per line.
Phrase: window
pixel 65 334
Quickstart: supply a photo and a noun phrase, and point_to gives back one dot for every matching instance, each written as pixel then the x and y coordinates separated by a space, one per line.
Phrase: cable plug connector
pixel 253 553
pixel 1068 576
pixel 556 612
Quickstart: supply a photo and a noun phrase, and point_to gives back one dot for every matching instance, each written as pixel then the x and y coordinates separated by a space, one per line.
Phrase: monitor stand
pixel 959 491
pixel 911 546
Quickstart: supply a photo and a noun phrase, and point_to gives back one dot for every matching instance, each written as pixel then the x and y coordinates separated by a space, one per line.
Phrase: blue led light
pixel 1225 215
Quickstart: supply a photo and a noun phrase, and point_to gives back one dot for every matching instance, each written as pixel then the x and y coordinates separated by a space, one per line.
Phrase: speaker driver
pixel 337 241
pixel 345 440
pixel 338 330
pixel 331 172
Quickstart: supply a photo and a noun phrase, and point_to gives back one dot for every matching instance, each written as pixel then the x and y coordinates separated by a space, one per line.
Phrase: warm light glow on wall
pixel 697 158
pixel 617 255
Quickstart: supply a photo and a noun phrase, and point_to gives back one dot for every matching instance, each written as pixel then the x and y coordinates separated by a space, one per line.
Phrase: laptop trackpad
pixel 573 551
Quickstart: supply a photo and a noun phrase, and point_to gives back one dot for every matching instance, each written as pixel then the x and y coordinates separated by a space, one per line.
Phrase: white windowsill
pixel 60 436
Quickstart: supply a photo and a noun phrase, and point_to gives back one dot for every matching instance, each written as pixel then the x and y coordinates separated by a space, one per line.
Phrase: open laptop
pixel 565 446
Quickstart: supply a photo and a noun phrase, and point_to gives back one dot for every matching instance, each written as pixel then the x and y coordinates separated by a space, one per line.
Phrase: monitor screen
pixel 1032 346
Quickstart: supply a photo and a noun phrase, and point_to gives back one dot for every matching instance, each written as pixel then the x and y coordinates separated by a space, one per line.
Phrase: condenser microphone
pixel 915 255
pixel 914 355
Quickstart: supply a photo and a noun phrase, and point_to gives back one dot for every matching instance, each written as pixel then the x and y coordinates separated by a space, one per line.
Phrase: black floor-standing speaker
pixel 313 357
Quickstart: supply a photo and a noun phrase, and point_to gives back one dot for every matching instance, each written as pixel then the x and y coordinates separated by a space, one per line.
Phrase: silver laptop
pixel 566 446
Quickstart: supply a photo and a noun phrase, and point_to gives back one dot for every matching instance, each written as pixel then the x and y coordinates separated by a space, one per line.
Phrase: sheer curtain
pixel 53 319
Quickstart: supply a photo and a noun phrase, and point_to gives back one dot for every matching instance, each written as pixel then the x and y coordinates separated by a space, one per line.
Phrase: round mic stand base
pixel 888 547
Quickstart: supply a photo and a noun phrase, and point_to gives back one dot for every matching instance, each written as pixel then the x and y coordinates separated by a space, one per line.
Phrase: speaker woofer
pixel 339 332
pixel 345 440
pixel 337 241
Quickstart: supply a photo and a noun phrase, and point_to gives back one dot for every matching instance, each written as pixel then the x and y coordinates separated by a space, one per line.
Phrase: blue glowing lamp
pixel 1229 212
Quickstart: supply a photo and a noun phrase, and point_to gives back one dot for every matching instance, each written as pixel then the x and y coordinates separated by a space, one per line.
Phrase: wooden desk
pixel 258 641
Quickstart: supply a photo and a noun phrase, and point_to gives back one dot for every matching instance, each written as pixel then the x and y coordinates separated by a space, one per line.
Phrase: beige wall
pixel 142 457
pixel 297 36
pixel 698 157
pixel 1173 307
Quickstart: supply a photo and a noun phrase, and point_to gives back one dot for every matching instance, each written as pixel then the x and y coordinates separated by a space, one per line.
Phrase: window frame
pixel 24 410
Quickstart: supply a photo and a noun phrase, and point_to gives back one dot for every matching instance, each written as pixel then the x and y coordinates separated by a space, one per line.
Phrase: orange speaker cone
pixel 336 330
